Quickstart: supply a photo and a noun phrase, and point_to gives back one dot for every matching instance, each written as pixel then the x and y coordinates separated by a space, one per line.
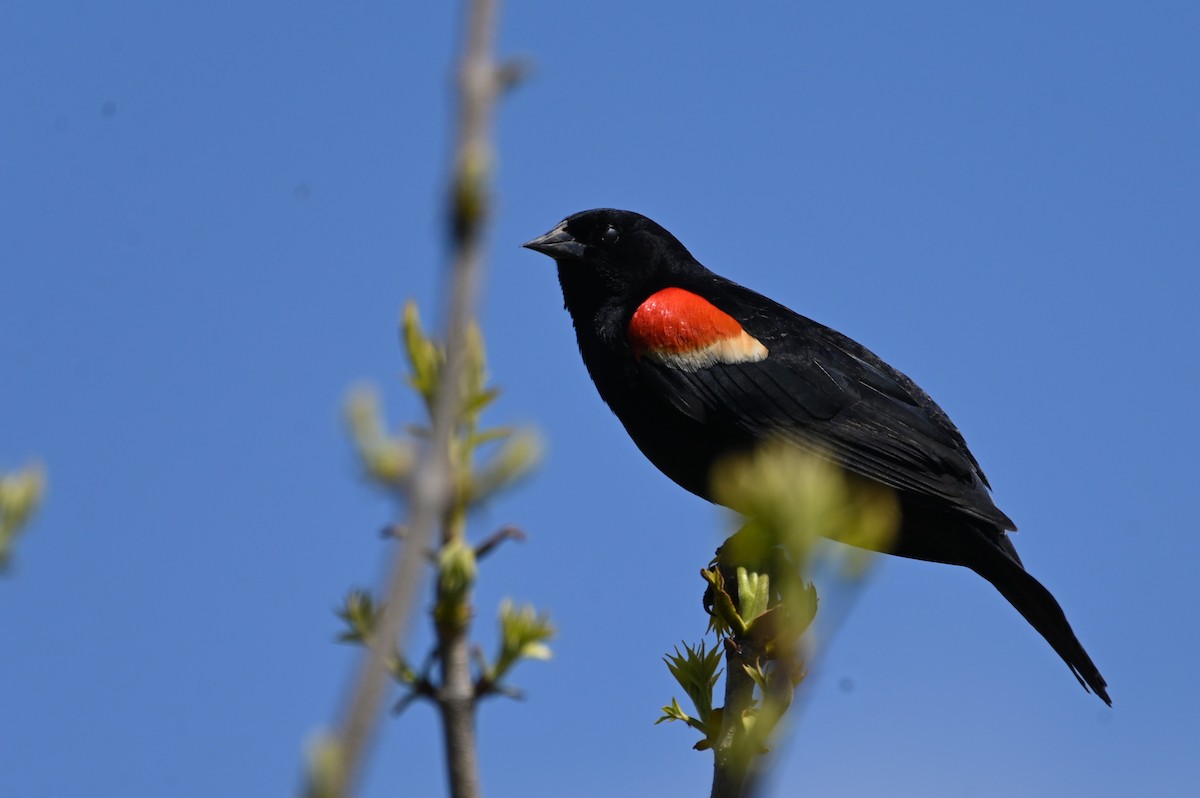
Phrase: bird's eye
pixel 610 235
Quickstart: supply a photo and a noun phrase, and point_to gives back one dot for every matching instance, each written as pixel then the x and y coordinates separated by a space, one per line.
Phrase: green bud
pixel 457 569
pixel 325 767
pixel 754 594
pixel 425 358
pixel 360 614
pixel 20 495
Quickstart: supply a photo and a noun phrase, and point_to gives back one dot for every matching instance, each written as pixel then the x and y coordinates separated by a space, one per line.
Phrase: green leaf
pixel 754 594
pixel 475 394
pixel 492 435
pixel 725 618
pixel 401 671
pixel 523 635
pixel 425 358
pixel 387 461
pixel 475 403
pixel 515 459
pixel 360 614
pixel 673 712
pixel 696 670
pixel 757 675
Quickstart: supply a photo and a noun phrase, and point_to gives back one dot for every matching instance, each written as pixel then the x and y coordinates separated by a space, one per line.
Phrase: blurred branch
pixel 431 490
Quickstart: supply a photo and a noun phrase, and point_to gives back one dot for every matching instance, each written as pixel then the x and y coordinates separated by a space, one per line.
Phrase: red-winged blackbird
pixel 697 367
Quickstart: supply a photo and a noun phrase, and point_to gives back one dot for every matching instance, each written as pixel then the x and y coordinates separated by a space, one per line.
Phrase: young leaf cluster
pixel 760 599
pixel 360 614
pixel 523 635
pixel 696 670
pixel 389 459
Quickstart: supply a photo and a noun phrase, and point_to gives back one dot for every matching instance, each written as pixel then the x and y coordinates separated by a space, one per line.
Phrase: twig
pixel 489 544
pixel 456 702
pixel 730 763
pixel 432 483
pixel 764 654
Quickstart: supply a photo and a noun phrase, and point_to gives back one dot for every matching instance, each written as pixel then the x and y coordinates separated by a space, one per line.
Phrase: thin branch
pixel 489 544
pixel 432 482
pixel 456 702
pixel 765 656
pixel 730 763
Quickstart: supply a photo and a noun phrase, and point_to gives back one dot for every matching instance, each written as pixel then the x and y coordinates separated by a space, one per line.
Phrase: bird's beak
pixel 558 243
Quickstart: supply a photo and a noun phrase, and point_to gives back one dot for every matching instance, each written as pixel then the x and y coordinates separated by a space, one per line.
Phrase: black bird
pixel 697 367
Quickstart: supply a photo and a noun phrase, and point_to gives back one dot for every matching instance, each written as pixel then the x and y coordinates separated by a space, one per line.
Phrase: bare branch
pixel 489 544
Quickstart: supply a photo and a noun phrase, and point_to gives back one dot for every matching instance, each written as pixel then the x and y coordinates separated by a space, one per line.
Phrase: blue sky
pixel 210 215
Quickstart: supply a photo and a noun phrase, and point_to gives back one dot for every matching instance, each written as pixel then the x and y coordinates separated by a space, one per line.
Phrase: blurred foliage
pixel 360 614
pixel 325 768
pixel 20 494
pixel 388 459
pixel 760 597
pixel 484 461
pixel 796 501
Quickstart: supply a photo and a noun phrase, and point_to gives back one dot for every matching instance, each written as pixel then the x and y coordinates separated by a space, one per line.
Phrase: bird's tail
pixel 1038 606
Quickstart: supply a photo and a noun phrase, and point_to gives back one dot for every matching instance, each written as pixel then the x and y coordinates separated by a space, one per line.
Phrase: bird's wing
pixel 819 390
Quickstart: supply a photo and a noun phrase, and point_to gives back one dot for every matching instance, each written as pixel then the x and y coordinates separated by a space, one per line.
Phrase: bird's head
pixel 607 254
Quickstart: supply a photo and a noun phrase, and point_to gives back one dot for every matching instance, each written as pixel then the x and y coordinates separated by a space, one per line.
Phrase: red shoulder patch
pixel 684 330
